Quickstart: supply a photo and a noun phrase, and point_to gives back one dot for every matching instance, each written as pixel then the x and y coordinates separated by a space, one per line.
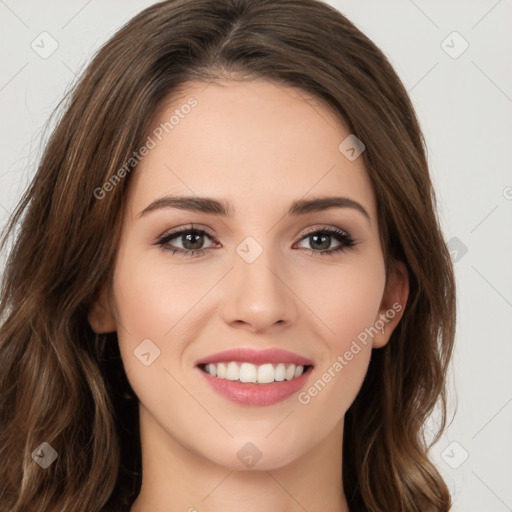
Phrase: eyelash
pixel 342 236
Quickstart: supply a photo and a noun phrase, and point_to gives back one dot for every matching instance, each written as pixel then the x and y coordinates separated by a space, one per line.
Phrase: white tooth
pixel 221 370
pixel 233 371
pixel 248 372
pixel 280 372
pixel 266 373
pixel 290 372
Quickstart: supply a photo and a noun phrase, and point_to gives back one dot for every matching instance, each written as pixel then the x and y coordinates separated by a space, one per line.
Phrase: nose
pixel 258 294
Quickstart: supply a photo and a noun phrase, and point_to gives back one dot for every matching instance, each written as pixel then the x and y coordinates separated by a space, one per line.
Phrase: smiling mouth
pixel 249 373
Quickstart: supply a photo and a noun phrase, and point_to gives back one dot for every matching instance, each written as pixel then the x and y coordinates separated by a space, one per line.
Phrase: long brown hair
pixel 62 384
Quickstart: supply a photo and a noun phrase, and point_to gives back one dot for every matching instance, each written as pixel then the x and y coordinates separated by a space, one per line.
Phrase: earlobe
pixel 392 305
pixel 100 315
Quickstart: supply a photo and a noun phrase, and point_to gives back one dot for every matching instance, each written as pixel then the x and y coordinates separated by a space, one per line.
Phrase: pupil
pixel 189 238
pixel 325 244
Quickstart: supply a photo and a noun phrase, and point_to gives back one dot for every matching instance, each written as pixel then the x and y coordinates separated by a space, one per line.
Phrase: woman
pixel 172 336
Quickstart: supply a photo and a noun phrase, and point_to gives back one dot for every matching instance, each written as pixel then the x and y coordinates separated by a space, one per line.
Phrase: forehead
pixel 253 143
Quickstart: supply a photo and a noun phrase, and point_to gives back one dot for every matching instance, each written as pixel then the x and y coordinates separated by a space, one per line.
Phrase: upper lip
pixel 248 355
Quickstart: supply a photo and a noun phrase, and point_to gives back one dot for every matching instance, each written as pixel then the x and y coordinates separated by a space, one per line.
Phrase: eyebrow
pixel 215 207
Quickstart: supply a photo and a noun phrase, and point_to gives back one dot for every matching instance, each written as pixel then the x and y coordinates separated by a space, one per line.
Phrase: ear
pixel 392 306
pixel 100 314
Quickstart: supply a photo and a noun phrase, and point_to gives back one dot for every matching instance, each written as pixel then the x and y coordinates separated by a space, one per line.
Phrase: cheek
pixel 348 304
pixel 346 300
pixel 143 310
pixel 152 297
pixel 160 303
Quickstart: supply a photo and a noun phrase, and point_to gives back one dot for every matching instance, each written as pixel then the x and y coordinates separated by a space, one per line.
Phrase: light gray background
pixel 464 105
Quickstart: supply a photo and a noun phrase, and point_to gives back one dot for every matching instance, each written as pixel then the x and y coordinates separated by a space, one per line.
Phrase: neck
pixel 176 478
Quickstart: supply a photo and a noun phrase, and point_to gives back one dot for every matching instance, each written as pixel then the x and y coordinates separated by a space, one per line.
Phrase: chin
pixel 258 454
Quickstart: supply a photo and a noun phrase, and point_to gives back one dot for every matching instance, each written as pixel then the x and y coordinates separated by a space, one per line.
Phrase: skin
pixel 259 146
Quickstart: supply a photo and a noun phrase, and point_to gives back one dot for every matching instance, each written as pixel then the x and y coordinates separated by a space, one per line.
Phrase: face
pixel 269 274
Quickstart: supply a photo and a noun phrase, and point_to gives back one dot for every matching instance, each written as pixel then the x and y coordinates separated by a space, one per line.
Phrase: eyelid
pixel 186 228
pixel 324 227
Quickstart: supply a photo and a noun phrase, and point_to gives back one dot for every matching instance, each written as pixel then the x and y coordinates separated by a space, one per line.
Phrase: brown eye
pixel 320 240
pixel 192 241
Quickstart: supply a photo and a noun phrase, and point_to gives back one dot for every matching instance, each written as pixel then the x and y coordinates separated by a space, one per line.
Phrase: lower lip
pixel 256 394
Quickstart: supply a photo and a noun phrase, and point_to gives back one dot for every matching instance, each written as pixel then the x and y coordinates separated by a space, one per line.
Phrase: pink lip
pixel 255 394
pixel 247 355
